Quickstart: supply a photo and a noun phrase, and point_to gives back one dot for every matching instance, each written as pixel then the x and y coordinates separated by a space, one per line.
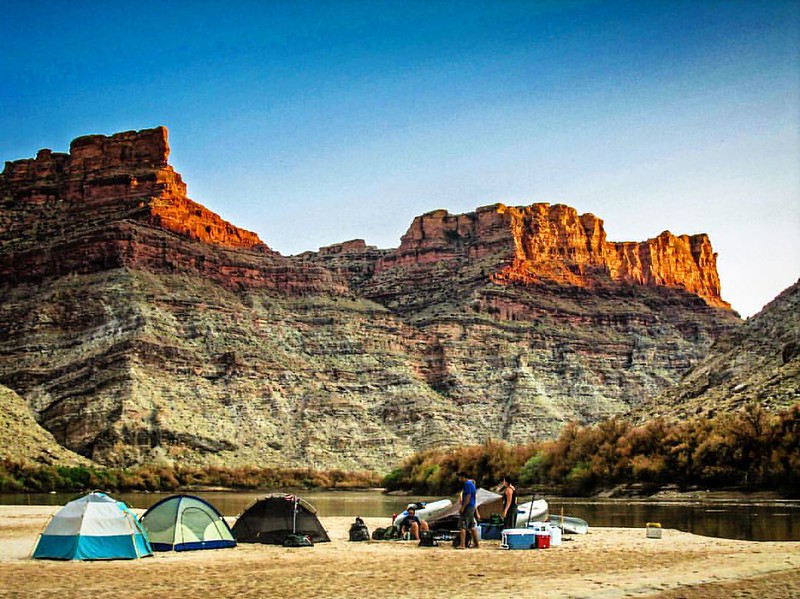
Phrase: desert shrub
pixel 73 478
pixel 751 449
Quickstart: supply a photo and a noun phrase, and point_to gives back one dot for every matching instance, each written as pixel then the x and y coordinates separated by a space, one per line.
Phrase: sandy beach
pixel 607 563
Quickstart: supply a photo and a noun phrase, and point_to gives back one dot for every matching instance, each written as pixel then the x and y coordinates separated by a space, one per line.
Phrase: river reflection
pixel 747 520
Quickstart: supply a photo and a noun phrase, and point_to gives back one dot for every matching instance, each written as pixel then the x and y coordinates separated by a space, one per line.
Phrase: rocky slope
pixel 757 362
pixel 23 440
pixel 140 326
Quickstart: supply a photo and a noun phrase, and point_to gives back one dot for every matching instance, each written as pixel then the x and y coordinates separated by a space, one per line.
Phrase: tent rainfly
pixel 270 519
pixel 186 523
pixel 93 527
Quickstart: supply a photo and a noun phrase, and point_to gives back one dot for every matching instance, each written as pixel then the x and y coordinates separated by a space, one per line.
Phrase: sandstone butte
pixel 139 326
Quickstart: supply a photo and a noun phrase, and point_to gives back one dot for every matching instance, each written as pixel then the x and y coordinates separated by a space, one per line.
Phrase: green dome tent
pixel 186 523
pixel 272 518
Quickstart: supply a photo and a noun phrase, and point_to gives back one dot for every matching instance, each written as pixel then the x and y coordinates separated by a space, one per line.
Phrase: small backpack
pixel 386 534
pixel 426 539
pixel 359 530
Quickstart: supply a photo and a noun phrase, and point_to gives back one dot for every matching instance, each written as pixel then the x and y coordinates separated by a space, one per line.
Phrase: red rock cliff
pixel 127 173
pixel 541 242
pixel 115 202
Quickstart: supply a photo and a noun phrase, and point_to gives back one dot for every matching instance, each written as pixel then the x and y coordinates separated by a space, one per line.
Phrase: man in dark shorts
pixel 466 518
pixel 412 524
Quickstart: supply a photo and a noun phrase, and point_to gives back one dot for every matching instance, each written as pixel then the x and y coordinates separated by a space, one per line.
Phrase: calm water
pixel 748 520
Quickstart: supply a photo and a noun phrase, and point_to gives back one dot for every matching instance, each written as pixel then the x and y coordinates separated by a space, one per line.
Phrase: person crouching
pixel 412 524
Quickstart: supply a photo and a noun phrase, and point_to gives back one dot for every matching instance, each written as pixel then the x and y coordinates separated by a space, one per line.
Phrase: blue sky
pixel 317 122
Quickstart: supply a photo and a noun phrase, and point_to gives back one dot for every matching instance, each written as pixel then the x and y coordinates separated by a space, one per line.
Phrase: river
pixel 753 520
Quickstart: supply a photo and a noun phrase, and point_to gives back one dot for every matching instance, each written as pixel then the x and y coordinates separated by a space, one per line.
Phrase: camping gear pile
pixel 488 503
pixel 538 535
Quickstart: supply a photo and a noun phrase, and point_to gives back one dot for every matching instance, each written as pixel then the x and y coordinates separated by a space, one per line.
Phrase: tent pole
pixel 35 545
pixel 133 534
pixel 294 517
pixel 39 538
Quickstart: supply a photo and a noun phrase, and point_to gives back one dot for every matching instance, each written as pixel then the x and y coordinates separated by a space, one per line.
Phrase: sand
pixel 606 563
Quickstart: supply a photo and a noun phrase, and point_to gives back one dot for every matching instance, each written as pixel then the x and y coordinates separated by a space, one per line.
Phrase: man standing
pixel 466 520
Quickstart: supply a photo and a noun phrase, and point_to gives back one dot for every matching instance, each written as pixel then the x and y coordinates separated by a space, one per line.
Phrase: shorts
pixel 467 519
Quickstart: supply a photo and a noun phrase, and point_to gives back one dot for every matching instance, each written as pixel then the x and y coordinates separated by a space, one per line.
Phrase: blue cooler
pixel 518 538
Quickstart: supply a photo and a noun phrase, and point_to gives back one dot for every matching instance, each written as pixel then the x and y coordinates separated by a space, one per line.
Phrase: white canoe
pixel 533 511
pixel 430 509
pixel 571 524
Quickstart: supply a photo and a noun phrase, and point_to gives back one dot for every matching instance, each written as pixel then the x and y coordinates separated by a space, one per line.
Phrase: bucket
pixel 653 530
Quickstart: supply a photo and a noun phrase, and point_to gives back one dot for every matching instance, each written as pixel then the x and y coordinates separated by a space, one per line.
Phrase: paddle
pixel 533 498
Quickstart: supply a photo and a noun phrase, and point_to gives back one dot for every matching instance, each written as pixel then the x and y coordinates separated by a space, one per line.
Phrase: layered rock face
pixel 115 202
pixel 139 326
pixel 540 243
pixel 757 362
pixel 532 318
pixel 128 175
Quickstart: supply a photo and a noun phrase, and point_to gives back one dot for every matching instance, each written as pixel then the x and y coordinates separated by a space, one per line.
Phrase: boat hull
pixel 431 510
pixel 571 524
pixel 533 511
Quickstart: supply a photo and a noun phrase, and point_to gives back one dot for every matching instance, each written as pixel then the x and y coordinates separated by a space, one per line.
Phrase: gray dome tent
pixel 186 523
pixel 272 518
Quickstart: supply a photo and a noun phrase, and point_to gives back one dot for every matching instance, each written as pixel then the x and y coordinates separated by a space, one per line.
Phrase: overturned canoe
pixel 425 511
pixel 571 524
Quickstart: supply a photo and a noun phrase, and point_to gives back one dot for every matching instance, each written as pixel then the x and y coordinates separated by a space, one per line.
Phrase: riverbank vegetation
pixel 750 450
pixel 30 478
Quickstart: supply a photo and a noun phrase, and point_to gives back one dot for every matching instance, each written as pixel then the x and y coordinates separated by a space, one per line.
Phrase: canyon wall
pixel 756 362
pixel 139 326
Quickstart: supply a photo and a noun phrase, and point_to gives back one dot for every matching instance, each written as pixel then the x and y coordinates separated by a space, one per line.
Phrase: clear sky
pixel 312 123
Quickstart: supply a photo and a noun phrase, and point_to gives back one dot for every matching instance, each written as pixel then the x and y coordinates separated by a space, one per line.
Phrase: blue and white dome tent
pixel 95 526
